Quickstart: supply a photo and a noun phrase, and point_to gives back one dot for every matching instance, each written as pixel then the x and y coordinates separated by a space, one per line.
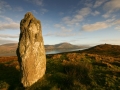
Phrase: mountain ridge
pixel 62 46
pixel 10 48
pixel 104 49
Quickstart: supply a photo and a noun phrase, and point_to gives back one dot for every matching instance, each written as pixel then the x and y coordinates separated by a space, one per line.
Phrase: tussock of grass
pixel 79 71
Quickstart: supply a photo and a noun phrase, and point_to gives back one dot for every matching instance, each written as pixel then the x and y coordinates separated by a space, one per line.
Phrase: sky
pixel 79 22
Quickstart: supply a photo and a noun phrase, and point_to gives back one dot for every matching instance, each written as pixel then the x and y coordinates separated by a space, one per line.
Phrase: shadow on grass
pixel 99 64
pixel 116 63
pixel 56 81
pixel 10 76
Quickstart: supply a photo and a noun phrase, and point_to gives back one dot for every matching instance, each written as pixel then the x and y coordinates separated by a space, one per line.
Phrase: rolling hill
pixel 104 49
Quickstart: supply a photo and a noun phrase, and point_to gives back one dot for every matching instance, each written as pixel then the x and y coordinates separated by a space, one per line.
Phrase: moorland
pixel 95 68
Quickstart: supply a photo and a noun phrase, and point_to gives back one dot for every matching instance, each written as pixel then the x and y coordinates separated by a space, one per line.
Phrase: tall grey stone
pixel 30 51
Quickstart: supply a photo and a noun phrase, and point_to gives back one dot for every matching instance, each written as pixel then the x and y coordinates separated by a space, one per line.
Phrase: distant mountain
pixel 62 46
pixel 10 49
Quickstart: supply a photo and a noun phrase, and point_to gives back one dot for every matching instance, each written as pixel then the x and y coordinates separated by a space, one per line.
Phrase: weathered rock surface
pixel 30 51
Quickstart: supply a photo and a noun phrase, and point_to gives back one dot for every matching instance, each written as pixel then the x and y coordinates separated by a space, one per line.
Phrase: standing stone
pixel 30 51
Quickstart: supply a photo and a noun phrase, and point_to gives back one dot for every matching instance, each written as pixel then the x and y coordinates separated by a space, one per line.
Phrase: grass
pixel 67 71
pixel 9 76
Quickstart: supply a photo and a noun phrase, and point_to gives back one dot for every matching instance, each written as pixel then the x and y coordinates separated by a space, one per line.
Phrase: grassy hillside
pixel 105 49
pixel 96 68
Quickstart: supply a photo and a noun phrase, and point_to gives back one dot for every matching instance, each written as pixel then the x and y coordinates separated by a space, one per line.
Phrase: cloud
pixel 77 41
pixel 111 41
pixel 99 3
pixel 18 9
pixel 117 22
pixel 6 18
pixel 12 26
pixel 114 22
pixel 88 4
pixel 112 5
pixel 95 13
pixel 8 36
pixel 34 11
pixel 49 34
pixel 63 28
pixel 62 34
pixel 43 10
pixel 8 24
pixel 84 11
pixel 69 22
pixel 58 25
pixel 4 41
pixel 65 34
pixel 117 27
pixel 101 25
pixel 111 20
pixel 37 2
pixel 78 17
pixel 3 6
pixel 66 30
pixel 95 26
pixel 106 15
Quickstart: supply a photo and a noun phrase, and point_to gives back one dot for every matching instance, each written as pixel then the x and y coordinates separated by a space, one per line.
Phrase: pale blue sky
pixel 78 22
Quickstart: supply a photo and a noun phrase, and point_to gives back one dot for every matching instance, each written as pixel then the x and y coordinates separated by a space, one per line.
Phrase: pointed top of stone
pixel 28 15
pixel 28 18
